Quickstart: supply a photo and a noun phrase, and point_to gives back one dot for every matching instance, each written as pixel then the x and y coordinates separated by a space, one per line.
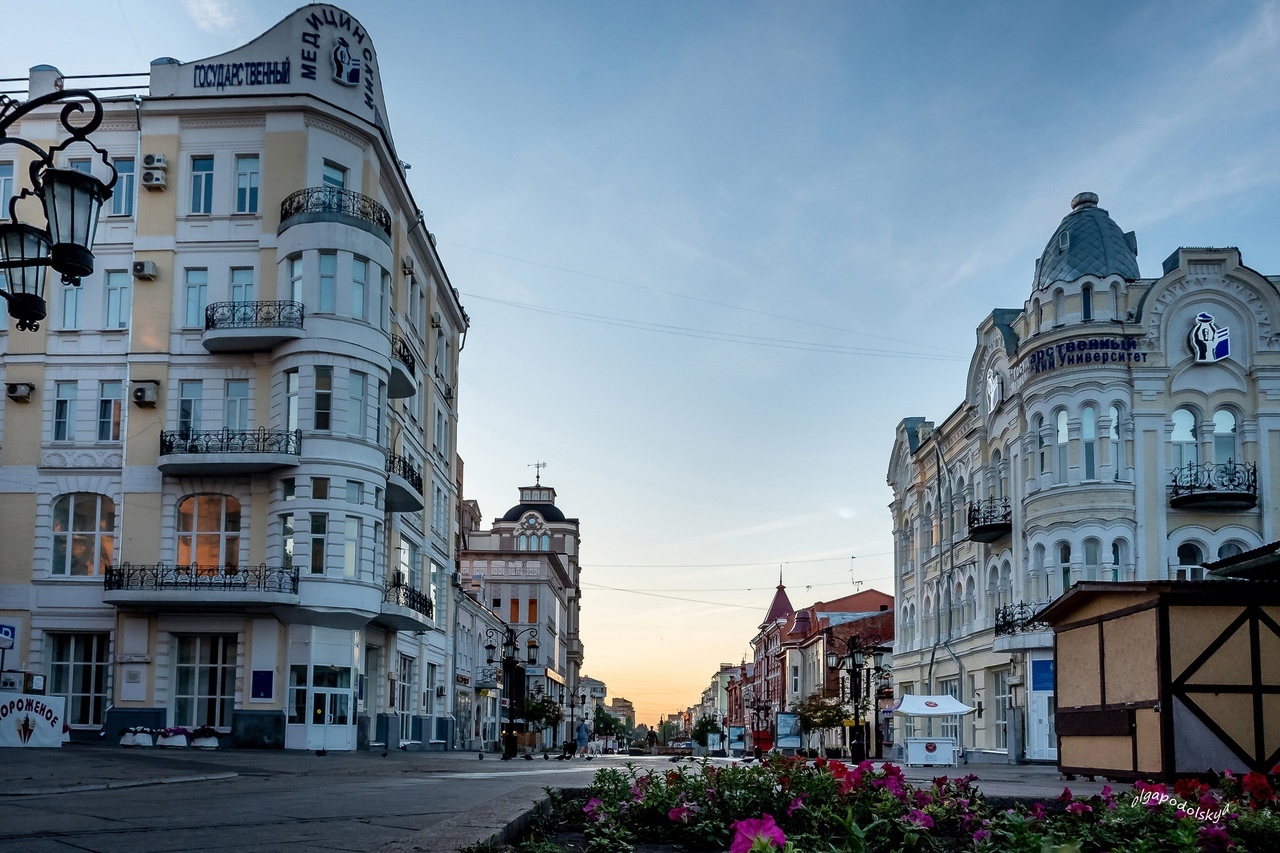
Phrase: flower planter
pixel 205 742
pixel 142 740
pixel 172 741
pixel 128 739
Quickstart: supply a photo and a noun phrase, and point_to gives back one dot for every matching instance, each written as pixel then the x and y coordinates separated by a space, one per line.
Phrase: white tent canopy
pixel 932 706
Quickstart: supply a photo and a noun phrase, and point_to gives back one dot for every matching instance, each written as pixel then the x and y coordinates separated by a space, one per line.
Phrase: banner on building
pixel 31 721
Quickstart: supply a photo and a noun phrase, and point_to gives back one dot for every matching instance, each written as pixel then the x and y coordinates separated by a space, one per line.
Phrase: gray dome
pixel 1093 245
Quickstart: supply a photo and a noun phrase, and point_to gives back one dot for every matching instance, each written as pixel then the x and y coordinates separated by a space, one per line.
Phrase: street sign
pixel 10 631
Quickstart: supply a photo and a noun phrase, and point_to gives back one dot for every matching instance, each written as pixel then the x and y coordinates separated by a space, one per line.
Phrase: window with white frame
pixel 404 697
pixel 1182 441
pixel 357 407
pixel 439 511
pixel 196 288
pixel 355 492
pixel 908 722
pixel 235 405
pixel 204 680
pixel 64 411
pixel 286 540
pixel 1190 562
pixel 1092 559
pixel 295 279
pixel 247 180
pixel 291 399
pixel 1061 457
pixel 84 538
pixel 1089 441
pixel 79 669
pixel 110 407
pixel 950 725
pixel 384 302
pixel 126 184
pixel 359 288
pixel 190 406
pixel 202 185
pixel 319 541
pixel 322 410
pixel 1002 698
pixel 6 187
pixel 328 282
pixel 1224 437
pixel 118 285
pixel 353 541
pixel 334 176
pixel 243 288
pixel 71 298
pixel 1064 564
pixel 1117 445
pixel 1086 304
pixel 209 533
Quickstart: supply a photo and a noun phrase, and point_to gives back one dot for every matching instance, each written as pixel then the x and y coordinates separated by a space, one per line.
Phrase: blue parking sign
pixel 10 631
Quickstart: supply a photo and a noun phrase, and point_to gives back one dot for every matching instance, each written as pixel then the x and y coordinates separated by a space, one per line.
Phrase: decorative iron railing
pixel 261 440
pixel 990 511
pixel 227 578
pixel 399 592
pixel 1018 618
pixel 334 200
pixel 400 352
pixel 402 467
pixel 1225 477
pixel 253 315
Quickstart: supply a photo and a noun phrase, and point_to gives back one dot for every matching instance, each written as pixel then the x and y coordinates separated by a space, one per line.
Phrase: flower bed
pixel 822 806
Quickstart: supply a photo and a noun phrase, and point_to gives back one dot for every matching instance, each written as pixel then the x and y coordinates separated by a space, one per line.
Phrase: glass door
pixel 331 724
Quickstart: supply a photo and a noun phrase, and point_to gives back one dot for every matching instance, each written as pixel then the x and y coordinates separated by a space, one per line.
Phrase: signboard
pixel 737 738
pixel 30 721
pixel 1042 675
pixel 713 741
pixel 789 732
pixel 1084 351
pixel 10 631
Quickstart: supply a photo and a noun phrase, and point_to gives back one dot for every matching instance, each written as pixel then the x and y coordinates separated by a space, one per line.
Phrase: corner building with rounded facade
pixel 1112 428
pixel 228 495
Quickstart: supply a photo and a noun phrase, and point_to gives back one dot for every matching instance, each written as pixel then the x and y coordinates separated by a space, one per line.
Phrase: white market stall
pixel 932 750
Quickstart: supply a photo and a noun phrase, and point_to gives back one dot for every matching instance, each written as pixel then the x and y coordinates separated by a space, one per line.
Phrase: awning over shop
pixel 932 706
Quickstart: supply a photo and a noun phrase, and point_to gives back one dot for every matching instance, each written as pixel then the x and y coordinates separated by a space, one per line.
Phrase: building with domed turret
pixel 1112 428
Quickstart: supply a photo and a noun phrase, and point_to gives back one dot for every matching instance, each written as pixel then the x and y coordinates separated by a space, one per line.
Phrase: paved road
pixel 107 799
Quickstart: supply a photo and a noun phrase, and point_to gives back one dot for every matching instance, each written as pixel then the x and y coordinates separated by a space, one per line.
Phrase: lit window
pixel 84 527
pixel 110 396
pixel 209 533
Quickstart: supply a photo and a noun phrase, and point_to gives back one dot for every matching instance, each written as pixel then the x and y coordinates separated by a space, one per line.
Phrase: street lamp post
pixel 72 200
pixel 853 662
pixel 759 711
pixel 510 639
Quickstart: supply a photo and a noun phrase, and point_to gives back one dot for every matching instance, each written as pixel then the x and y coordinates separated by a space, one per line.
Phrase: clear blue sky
pixel 713 252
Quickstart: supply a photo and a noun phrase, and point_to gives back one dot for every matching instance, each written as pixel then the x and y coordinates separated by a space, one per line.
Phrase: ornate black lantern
pixel 72 202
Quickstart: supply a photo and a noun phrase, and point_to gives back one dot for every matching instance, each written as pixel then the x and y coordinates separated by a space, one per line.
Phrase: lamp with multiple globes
pixel 854 662
pixel 510 640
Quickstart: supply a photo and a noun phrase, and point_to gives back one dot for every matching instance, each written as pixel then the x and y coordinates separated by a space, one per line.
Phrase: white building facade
pixel 1113 428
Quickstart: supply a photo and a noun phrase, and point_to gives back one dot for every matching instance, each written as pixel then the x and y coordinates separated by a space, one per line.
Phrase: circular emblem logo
pixel 930 747
pixel 929 703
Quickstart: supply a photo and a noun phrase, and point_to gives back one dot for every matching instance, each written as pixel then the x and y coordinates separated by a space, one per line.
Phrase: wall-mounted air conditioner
pixel 19 392
pixel 153 179
pixel 435 319
pixel 440 691
pixel 145 393
pixel 407 266
pixel 158 162
pixel 144 270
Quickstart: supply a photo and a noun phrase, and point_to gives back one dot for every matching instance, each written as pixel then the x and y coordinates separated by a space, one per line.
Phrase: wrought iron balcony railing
pixel 228 578
pixel 399 592
pixel 333 200
pixel 1018 618
pixel 990 511
pixel 402 467
pixel 400 352
pixel 262 440
pixel 253 315
pixel 1227 484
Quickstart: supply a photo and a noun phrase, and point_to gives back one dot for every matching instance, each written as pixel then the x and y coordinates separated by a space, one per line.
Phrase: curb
pixel 497 822
pixel 132 783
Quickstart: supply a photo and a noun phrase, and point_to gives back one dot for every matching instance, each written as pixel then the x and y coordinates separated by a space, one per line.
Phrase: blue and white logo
pixel 346 68
pixel 1208 343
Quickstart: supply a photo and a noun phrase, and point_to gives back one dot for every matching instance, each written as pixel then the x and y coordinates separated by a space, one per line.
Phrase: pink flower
pixel 1214 838
pixel 796 805
pixel 750 830
pixel 1066 796
pixel 918 819
pixel 680 813
pixel 593 809
pixel 1079 808
pixel 1038 811
pixel 981 835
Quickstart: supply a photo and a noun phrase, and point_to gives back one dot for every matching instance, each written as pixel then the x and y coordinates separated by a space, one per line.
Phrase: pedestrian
pixel 584 734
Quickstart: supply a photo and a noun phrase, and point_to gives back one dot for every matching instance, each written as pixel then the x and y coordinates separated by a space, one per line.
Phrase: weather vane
pixel 537 478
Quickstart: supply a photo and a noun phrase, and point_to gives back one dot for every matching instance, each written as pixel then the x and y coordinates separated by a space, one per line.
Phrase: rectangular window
pixel 334 176
pixel 359 286
pixel 319 541
pixel 205 680
pixel 295 279
pixel 440 511
pixel 297 701
pixel 236 406
pixel 379 423
pixel 247 179
pixel 351 550
pixel 110 397
pixel 81 164
pixel 291 399
pixel 515 611
pixel 118 285
pixel 6 187
pixel 328 282
pixel 71 306
pixel 190 406
pixel 384 301
pixel 286 540
pixel 429 706
pixel 320 488
pixel 950 725
pixel 202 185
pixel 795 681
pixel 288 489
pixel 197 293
pixel 533 610
pixel 64 412
pixel 324 398
pixel 1002 708
pixel 357 409
pixel 242 284
pixel 78 670
pixel 122 195
pixel 355 492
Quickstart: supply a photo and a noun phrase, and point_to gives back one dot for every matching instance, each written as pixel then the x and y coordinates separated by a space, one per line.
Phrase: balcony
pixel 990 520
pixel 404 485
pixel 330 204
pixel 228 586
pixel 250 326
pixel 225 452
pixel 404 368
pixel 405 608
pixel 1225 486
pixel 1019 618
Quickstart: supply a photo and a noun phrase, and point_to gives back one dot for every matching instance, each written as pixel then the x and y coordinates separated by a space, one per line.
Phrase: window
pixel 319 541
pixel 118 286
pixel 1036 317
pixel 190 407
pixel 515 611
pixel 84 526
pixel 197 293
pixel 359 286
pixel 950 725
pixel 110 397
pixel 1224 437
pixel 297 701
pixel 209 533
pixel 286 540
pixel 295 279
pixel 334 176
pixel 403 697
pixel 1190 562
pixel 242 284
pixel 320 488
pixel 1064 564
pixel 323 398
pixel 352 546
pixel 1230 549
pixel 1041 448
pixel 1059 307
pixel 81 164
pixel 533 610
pixel 1060 438
pixel 122 195
pixel 1183 440
pixel 235 409
pixel 355 492
pixel 795 680
pixel 328 282
pixel 6 187
pixel 1086 303
pixel 71 294
pixel 1089 436
pixel 78 668
pixel 411 563
pixel 384 301
pixel 1092 556
pixel 379 423
pixel 205 680
pixel 291 399
pixel 357 409
pixel 288 488
pixel 64 411
pixel 247 179
pixel 1117 448
pixel 440 511
pixel 441 441
pixel 202 185
pixel 1001 699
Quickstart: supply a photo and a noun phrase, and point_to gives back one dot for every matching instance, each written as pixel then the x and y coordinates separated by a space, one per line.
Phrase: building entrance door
pixel 1042 739
pixel 331 724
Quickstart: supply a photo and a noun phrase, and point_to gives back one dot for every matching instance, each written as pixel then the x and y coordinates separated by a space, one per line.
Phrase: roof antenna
pixel 537 479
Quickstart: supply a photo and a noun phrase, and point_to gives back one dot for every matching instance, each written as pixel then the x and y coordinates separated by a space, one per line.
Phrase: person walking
pixel 583 734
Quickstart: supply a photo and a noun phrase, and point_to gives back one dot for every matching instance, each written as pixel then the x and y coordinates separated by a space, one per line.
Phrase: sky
pixel 714 252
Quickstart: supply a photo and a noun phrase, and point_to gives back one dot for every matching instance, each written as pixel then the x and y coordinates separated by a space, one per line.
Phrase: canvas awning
pixel 932 706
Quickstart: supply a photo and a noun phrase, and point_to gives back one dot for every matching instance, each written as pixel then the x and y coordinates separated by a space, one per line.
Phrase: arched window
pixel 1064 564
pixel 926 629
pixel 957 507
pixel 1006 583
pixel 1117 447
pixel 522 542
pixel 1086 303
pixel 1037 574
pixel 1115 302
pixel 1119 556
pixel 1059 307
pixel 1092 557
pixel 209 532
pixel 970 604
pixel 84 528
pixel 993 592
pixel 1089 441
pixel 1036 317
pixel 926 526
pixel 1183 440
pixel 1190 562
pixel 546 542
pixel 1060 440
pixel 996 487
pixel 1041 450
pixel 1229 549
pixel 1224 437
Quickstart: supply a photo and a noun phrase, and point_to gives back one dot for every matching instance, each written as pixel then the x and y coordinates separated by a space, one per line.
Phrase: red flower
pixel 1258 788
pixel 1189 789
pixel 1066 796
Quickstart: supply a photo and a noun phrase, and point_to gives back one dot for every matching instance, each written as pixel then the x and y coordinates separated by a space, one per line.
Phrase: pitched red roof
pixel 779 608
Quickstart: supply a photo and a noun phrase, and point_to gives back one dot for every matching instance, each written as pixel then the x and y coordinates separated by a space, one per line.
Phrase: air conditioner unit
pixel 435 319
pixel 19 392
pixel 457 578
pixel 440 691
pixel 145 393
pixel 153 179
pixel 157 162
pixel 448 392
pixel 407 266
pixel 145 270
